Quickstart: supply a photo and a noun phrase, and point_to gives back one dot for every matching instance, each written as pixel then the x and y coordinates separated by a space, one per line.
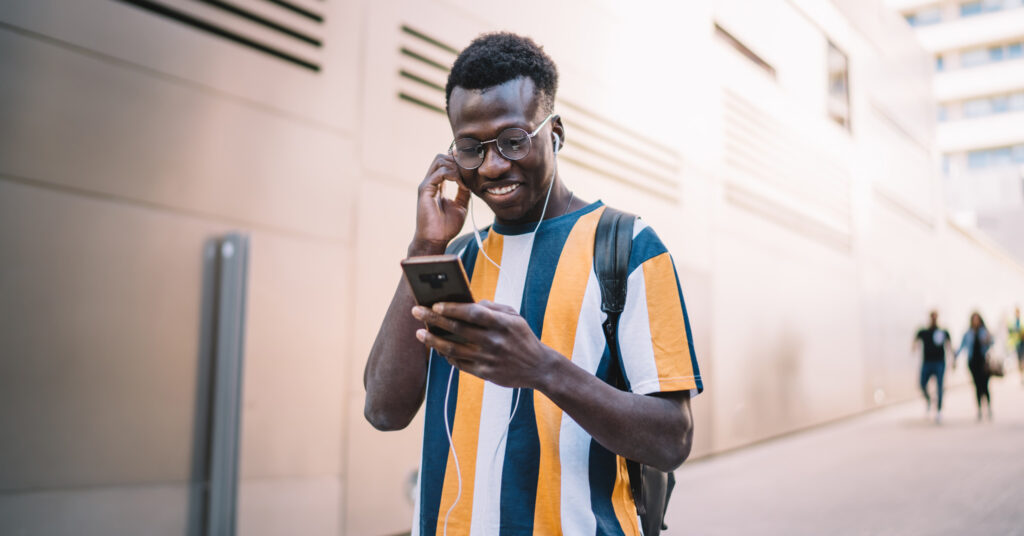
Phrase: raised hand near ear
pixel 438 219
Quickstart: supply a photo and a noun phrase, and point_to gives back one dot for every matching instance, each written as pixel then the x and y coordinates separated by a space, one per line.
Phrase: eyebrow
pixel 500 128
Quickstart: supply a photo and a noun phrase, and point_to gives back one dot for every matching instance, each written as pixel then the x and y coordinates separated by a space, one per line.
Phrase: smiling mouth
pixel 502 190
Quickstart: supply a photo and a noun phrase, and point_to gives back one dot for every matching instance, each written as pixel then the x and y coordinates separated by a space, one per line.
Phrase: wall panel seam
pixel 42 184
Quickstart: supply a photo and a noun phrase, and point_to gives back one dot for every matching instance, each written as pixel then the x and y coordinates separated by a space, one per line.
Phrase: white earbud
pixel 558 142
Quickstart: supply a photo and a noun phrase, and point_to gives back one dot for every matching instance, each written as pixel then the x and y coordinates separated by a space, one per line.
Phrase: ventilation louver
pixel 288 30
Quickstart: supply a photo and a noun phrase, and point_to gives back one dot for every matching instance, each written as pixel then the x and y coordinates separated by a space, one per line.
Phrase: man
pixel 1016 340
pixel 526 435
pixel 936 343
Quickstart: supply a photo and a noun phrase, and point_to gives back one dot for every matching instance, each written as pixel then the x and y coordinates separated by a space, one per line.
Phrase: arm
pixel 396 370
pixel 654 430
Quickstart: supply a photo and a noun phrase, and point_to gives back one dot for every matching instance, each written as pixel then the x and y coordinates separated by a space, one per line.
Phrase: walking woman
pixel 977 341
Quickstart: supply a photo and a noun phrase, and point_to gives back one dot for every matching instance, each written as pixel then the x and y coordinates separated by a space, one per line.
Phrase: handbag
pixel 995 366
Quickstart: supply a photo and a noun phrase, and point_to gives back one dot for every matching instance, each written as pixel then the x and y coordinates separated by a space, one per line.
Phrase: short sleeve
pixel 655 342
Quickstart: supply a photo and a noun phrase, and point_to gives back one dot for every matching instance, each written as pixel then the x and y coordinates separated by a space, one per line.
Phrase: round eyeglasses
pixel 513 144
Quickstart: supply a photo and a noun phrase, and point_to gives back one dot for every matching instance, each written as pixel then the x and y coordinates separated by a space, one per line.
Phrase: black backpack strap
pixel 613 244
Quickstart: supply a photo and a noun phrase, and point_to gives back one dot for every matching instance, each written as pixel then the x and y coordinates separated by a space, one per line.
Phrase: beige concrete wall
pixel 808 254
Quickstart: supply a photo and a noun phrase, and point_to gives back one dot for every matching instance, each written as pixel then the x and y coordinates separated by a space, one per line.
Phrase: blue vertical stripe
pixel 435 441
pixel 603 470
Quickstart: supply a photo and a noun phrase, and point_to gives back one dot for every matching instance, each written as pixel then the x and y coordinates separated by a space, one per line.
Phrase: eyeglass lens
pixel 513 144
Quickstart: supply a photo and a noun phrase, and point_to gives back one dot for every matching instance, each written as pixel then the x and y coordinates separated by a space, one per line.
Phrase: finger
pixel 445 347
pixel 472 313
pixel 441 169
pixel 462 198
pixel 464 330
pixel 500 307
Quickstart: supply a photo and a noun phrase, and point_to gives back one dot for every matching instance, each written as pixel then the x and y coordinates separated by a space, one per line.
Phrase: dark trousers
pixel 929 369
pixel 979 371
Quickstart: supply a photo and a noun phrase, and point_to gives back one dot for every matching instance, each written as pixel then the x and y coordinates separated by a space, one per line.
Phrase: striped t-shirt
pixel 545 475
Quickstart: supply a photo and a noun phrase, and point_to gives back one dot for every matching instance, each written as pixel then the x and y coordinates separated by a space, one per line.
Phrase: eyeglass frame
pixel 530 136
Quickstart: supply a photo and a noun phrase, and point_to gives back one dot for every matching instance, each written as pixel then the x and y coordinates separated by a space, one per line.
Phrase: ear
pixel 558 132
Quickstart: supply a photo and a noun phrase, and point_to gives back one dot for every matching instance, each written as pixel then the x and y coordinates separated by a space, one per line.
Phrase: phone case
pixel 438 278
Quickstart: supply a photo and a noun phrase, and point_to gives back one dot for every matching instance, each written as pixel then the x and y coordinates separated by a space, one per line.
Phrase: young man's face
pixel 513 189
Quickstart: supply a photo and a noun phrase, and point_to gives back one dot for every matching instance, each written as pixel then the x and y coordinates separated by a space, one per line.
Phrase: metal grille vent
pixel 288 30
pixel 777 173
pixel 594 142
pixel 759 146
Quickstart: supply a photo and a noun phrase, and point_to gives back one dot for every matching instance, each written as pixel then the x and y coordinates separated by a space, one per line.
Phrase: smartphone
pixel 438 278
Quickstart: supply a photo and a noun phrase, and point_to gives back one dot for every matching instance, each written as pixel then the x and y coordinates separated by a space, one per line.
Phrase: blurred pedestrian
pixel 977 341
pixel 935 343
pixel 1016 340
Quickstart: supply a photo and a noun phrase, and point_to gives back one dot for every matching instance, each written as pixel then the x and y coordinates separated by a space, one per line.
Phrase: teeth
pixel 503 190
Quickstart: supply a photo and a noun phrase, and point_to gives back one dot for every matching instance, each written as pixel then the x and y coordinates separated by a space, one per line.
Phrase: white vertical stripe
pixel 638 225
pixel 573 441
pixel 497 401
pixel 635 338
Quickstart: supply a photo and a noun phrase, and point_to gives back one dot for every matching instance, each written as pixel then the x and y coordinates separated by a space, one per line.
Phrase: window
pixel 981 56
pixel 996 157
pixel 979 7
pixel 995 104
pixel 940 63
pixel 925 16
pixel 973 57
pixel 838 86
pixel 943 113
pixel 970 8
pixel 977 107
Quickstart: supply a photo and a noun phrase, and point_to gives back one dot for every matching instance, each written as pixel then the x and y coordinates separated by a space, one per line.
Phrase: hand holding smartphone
pixel 438 278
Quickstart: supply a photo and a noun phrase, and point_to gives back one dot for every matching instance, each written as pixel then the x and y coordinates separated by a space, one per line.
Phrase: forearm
pixel 396 370
pixel 651 430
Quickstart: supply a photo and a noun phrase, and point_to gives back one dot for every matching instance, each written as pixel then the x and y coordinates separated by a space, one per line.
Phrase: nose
pixel 494 165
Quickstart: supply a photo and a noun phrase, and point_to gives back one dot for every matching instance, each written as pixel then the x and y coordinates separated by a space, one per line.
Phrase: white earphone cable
pixel 451 374
pixel 472 217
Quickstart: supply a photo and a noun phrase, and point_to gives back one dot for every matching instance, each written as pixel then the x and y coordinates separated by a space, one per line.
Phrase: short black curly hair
pixel 495 58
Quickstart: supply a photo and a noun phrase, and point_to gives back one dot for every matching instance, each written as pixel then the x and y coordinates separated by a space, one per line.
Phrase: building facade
pixel 978 49
pixel 784 150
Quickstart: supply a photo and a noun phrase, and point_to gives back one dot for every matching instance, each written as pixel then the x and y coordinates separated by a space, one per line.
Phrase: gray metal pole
pixel 233 256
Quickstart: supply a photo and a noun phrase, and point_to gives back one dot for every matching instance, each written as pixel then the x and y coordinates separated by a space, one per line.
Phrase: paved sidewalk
pixel 889 472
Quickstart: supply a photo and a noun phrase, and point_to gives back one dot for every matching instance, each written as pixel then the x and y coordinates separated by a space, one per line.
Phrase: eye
pixel 515 143
pixel 470 149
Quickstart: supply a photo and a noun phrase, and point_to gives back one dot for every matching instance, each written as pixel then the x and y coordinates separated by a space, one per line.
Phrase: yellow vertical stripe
pixel 466 428
pixel 622 500
pixel 668 328
pixel 559 332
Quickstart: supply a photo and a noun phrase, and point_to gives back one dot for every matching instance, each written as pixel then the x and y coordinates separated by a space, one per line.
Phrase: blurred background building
pixel 978 46
pixel 785 150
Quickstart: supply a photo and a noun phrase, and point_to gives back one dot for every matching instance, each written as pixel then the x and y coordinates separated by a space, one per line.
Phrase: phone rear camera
pixel 435 280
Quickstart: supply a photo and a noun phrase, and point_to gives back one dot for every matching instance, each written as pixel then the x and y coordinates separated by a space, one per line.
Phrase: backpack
pixel 613 243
